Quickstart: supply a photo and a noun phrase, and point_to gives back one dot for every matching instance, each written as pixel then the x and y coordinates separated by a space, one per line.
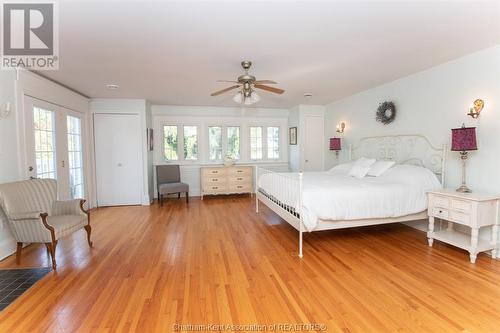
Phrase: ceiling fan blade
pixel 271 89
pixel 224 90
pixel 266 82
pixel 227 81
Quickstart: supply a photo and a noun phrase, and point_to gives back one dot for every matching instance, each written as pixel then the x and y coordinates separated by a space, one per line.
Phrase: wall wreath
pixel 386 113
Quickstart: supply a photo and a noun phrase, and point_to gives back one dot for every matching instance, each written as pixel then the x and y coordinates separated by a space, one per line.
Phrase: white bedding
pixel 334 195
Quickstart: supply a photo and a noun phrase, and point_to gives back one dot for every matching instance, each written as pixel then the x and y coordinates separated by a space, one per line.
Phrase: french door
pixel 54 146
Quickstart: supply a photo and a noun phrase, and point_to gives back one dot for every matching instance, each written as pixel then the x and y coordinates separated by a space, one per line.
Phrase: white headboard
pixel 405 149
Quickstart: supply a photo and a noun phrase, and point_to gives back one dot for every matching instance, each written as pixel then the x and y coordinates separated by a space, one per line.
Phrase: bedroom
pixel 127 117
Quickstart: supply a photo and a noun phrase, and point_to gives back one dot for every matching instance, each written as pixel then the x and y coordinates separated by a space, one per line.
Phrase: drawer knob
pixel 214 187
pixel 214 179
pixel 239 178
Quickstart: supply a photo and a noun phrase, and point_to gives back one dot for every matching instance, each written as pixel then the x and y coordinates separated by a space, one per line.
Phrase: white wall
pixel 9 160
pixel 431 103
pixel 225 116
pixel 132 106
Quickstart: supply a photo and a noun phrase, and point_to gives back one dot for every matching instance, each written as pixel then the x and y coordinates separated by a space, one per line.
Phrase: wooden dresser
pixel 226 180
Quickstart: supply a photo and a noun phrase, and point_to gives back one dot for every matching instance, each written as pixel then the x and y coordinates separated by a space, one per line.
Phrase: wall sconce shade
pixel 341 127
pixel 476 108
pixel 335 144
pixel 463 139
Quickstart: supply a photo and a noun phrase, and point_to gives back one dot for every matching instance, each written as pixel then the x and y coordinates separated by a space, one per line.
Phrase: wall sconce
pixel 5 112
pixel 341 127
pixel 476 108
pixel 335 145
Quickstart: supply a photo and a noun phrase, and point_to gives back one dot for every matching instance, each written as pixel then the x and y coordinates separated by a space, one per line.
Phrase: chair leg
pixel 161 200
pixel 88 229
pixel 18 252
pixel 52 249
pixel 179 195
pixel 187 197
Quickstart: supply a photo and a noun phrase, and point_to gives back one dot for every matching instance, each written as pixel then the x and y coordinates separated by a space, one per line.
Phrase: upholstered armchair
pixel 35 216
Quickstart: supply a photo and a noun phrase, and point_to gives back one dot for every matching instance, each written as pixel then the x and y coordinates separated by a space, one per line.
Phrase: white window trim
pixel 202 124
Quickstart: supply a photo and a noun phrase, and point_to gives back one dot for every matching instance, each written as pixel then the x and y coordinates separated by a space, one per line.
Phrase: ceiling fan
pixel 247 85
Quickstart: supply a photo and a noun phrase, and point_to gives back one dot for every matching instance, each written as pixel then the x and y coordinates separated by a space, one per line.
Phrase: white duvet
pixel 334 195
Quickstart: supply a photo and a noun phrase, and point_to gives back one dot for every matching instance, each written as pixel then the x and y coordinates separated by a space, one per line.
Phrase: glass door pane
pixel 45 143
pixel 75 157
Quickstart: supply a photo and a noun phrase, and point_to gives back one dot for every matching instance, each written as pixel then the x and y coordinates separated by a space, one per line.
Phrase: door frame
pixel 26 141
pixel 94 159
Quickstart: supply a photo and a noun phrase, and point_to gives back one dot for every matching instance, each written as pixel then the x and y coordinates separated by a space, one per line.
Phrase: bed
pixel 315 201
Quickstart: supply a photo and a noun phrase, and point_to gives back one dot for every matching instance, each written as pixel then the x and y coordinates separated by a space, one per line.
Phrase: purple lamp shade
pixel 335 144
pixel 463 139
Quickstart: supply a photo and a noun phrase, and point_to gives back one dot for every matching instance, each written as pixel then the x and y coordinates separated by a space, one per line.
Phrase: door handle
pixel 30 168
pixel 119 164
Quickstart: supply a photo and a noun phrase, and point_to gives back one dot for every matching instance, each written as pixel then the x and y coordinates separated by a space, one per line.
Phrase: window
pixel 75 156
pixel 190 143
pixel 233 142
pixel 273 142
pixel 256 143
pixel 170 139
pixel 215 143
pixel 45 145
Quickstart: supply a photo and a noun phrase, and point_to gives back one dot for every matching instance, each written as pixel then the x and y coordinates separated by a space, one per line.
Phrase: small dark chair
pixel 168 181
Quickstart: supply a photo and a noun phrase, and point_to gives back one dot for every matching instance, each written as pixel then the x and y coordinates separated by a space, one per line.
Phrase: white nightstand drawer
pixel 462 205
pixel 459 217
pixel 438 201
pixel 441 213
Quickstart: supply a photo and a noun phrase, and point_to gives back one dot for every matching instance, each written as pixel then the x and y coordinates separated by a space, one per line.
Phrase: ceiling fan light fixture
pixel 238 98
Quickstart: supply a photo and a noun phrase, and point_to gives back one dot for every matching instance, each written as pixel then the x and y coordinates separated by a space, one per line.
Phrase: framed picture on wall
pixel 149 133
pixel 293 135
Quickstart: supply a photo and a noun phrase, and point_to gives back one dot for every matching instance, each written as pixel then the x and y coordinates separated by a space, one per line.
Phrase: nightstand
pixel 474 210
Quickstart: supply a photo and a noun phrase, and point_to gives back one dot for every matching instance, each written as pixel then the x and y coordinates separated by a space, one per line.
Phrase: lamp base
pixel 464 189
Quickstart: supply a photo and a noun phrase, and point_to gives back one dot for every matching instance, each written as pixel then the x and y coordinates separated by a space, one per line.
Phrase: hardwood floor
pixel 219 262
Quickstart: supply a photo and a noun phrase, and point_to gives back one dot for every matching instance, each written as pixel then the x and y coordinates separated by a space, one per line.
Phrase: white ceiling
pixel 173 52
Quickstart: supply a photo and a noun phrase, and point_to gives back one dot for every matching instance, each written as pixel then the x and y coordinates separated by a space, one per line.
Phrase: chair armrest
pixel 69 207
pixel 25 216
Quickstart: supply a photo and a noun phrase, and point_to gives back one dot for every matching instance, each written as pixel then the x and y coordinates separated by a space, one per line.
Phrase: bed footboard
pixel 282 191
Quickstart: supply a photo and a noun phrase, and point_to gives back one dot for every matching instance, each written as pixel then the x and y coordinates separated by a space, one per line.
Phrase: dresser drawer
pixel 240 171
pixel 213 180
pixel 240 188
pixel 207 172
pixel 461 205
pixel 438 201
pixel 240 179
pixel 214 188
pixel 439 212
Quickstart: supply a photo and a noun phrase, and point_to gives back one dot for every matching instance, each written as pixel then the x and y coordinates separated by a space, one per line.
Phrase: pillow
pixel 341 169
pixel 361 167
pixel 379 167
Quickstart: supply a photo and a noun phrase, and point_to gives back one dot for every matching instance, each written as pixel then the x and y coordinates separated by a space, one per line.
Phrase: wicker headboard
pixel 404 149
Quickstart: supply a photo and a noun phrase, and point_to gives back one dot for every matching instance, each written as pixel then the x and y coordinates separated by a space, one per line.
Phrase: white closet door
pixel 313 143
pixel 118 159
